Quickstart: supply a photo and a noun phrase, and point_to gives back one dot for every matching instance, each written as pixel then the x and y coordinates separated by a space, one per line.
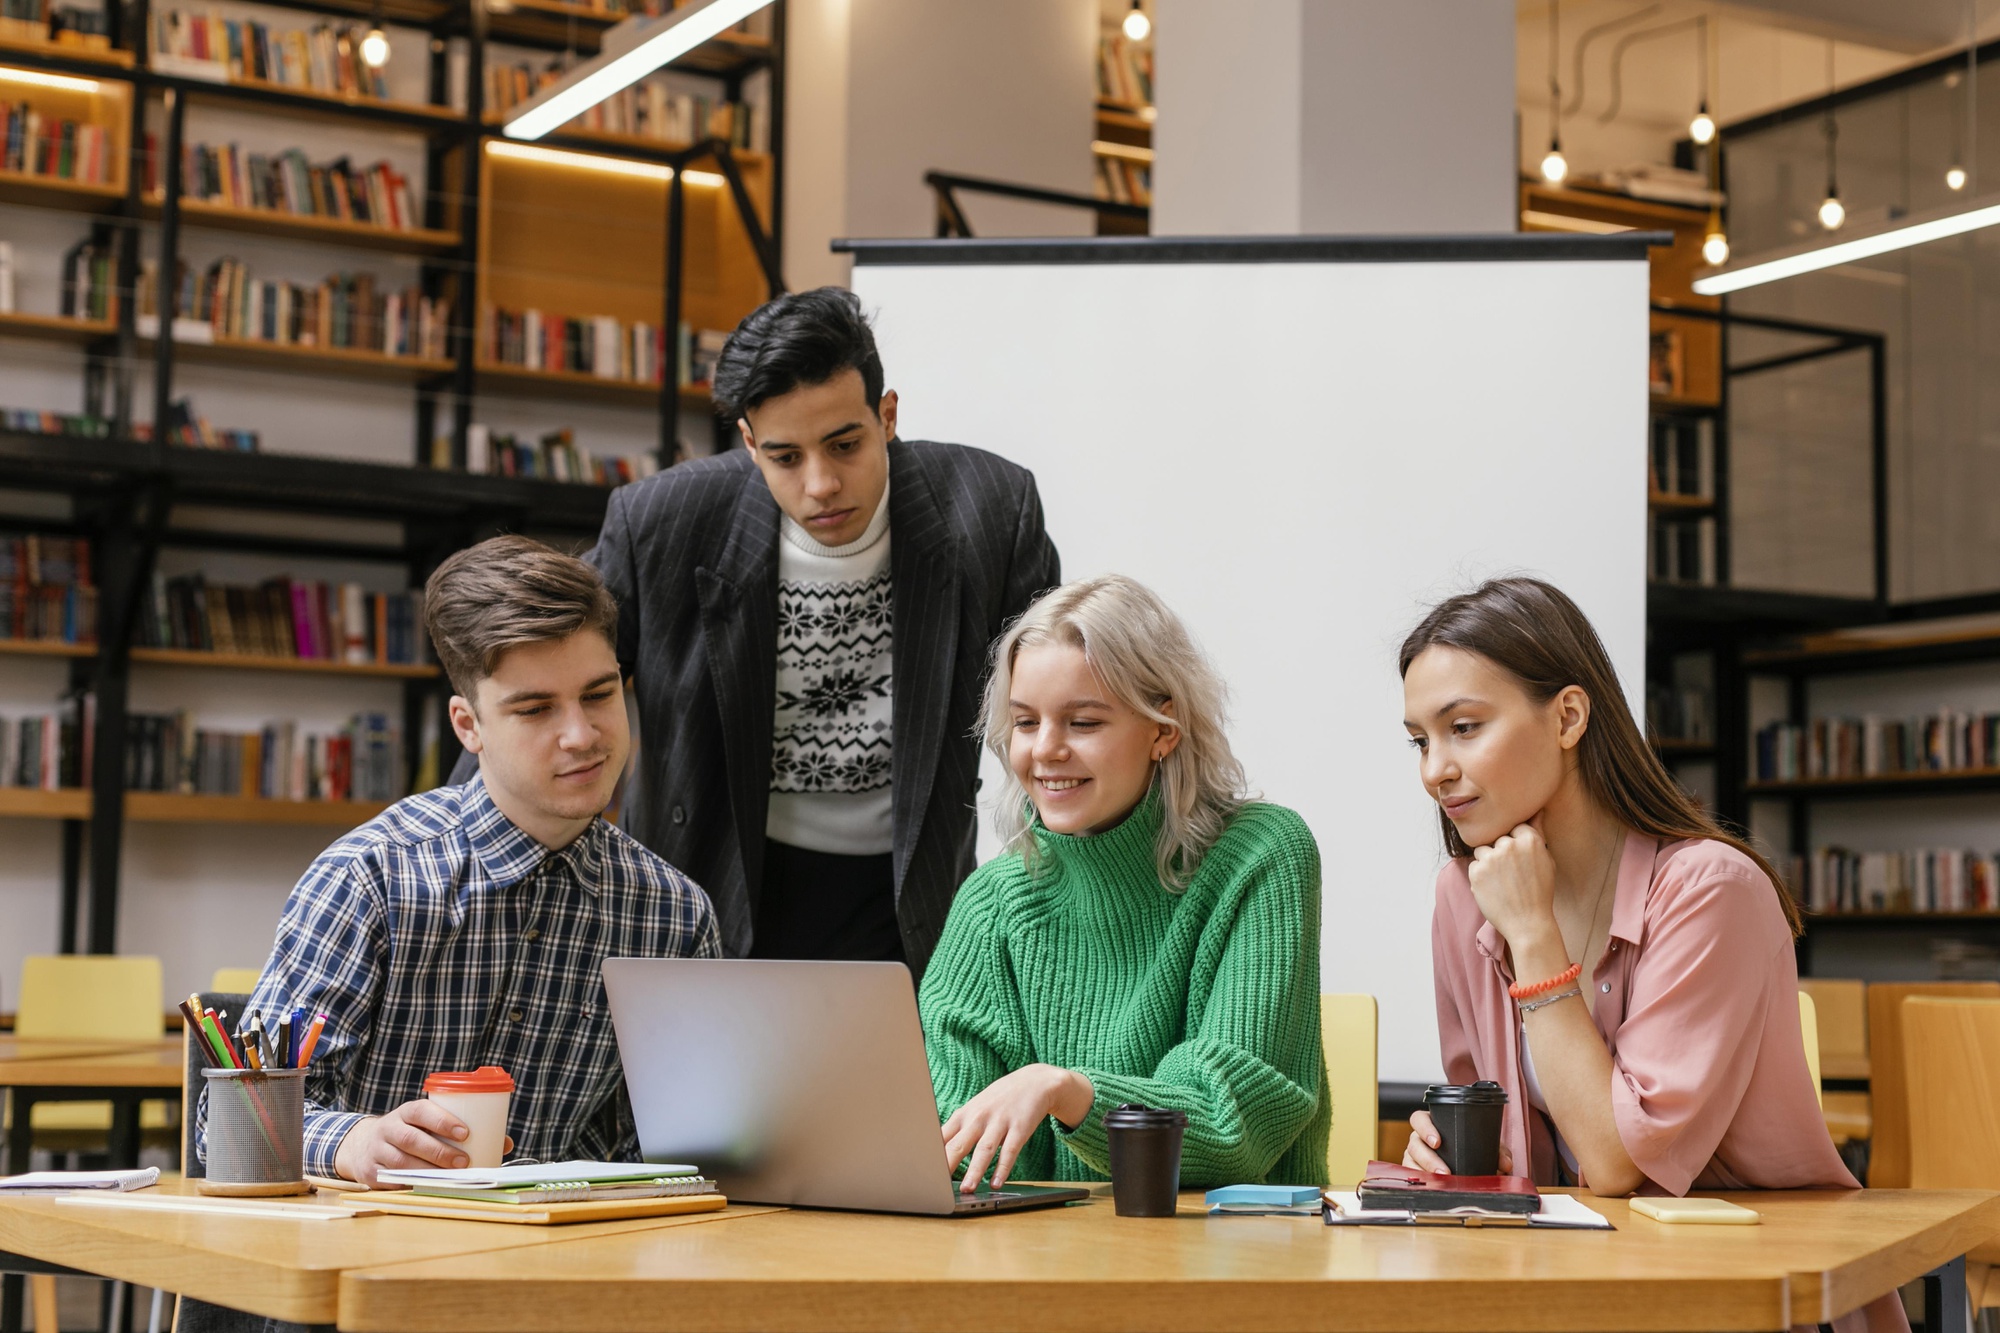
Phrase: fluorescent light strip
pixel 598 78
pixel 616 166
pixel 1754 273
pixel 49 80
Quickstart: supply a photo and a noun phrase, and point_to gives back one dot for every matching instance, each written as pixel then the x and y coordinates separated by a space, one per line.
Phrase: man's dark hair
pixel 798 339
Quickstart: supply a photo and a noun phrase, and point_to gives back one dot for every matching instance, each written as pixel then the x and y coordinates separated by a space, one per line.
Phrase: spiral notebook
pixel 553 1182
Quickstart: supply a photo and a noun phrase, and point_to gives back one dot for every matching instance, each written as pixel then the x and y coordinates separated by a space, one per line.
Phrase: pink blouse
pixel 1696 998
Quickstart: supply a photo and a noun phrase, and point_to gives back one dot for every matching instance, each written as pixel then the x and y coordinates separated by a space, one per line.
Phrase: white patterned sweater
pixel 832 731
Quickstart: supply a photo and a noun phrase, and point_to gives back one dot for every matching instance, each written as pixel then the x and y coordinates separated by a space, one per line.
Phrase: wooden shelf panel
pixel 318 102
pixel 262 662
pixel 574 384
pixel 46 648
pixel 1929 782
pixel 1664 502
pixel 55 328
pixel 109 59
pixel 612 141
pixel 21 187
pixel 310 227
pixel 33 803
pixel 155 807
pixel 1953 639
pixel 352 361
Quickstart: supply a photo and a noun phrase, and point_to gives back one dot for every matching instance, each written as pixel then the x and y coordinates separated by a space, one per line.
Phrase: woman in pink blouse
pixel 1650 1043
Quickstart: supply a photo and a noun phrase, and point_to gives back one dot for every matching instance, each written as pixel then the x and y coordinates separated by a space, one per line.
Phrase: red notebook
pixel 1388 1185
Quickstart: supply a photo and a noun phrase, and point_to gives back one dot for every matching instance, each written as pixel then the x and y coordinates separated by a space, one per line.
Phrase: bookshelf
pixel 475 237
pixel 1122 147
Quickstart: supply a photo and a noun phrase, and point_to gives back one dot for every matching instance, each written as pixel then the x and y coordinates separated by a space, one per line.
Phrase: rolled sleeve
pixel 1696 1015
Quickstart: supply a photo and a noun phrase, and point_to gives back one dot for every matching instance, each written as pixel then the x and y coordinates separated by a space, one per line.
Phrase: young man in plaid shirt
pixel 465 926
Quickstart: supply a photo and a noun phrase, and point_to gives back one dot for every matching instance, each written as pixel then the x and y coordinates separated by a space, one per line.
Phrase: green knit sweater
pixel 1206 1001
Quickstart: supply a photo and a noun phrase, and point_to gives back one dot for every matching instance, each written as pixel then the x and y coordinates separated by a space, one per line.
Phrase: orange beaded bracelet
pixel 1563 978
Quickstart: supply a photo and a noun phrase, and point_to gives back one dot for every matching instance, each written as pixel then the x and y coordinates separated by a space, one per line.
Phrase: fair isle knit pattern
pixel 831 729
pixel 1205 1001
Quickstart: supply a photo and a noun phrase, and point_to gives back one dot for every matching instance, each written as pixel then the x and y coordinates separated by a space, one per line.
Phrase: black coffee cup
pixel 1468 1117
pixel 1145 1144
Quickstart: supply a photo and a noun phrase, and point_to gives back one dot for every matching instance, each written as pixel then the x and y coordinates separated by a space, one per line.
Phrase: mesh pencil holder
pixel 256 1131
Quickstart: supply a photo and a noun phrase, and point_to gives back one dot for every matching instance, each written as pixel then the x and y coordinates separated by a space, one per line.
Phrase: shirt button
pixel 532 936
pixel 680 815
pixel 513 1015
pixel 1606 988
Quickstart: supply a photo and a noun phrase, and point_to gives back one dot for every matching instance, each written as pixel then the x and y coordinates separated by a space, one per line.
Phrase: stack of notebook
pixel 544 1193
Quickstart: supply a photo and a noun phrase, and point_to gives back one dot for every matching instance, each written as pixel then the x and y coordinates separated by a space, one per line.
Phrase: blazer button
pixel 680 815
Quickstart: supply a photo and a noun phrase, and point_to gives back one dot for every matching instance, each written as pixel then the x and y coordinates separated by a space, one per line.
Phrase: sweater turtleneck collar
pixel 1117 851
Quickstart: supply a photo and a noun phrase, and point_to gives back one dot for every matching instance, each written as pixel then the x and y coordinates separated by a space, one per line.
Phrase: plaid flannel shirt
pixel 440 936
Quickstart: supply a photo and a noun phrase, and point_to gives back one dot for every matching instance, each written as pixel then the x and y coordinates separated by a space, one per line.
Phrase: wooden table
pixel 282 1267
pixel 1816 1255
pixel 124 1073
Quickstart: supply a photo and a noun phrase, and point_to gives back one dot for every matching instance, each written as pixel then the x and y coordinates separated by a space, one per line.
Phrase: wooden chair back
pixel 1809 1030
pixel 1889 1144
pixel 193 1061
pixel 1951 1068
pixel 91 997
pixel 1347 1029
pixel 1842 1006
pixel 235 980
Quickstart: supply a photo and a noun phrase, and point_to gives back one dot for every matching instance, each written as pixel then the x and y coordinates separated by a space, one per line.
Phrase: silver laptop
pixel 797 1083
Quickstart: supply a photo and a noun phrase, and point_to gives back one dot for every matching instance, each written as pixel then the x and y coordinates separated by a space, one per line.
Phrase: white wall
pixel 1365 117
pixel 1300 485
pixel 881 91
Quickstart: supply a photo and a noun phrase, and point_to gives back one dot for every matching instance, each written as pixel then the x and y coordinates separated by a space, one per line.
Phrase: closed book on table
pixel 1389 1185
pixel 534 1214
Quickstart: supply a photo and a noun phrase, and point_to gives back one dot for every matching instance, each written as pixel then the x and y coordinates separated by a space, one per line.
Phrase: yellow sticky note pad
pixel 1696 1212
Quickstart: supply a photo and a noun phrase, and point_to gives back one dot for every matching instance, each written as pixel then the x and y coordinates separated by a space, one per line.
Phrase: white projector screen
pixel 1300 456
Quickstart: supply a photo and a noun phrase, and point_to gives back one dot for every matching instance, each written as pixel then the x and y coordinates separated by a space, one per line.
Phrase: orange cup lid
pixel 486 1078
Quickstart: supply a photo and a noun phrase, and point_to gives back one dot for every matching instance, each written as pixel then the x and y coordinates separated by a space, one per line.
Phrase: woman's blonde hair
pixel 1145 658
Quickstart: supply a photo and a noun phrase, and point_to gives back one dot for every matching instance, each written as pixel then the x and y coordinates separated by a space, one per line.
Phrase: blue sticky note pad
pixel 1262 1196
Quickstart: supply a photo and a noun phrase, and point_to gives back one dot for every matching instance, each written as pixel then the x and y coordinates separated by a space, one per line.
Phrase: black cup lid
pixel 1131 1116
pixel 1483 1093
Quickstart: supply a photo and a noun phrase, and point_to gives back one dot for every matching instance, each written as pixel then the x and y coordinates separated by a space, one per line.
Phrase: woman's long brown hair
pixel 1534 633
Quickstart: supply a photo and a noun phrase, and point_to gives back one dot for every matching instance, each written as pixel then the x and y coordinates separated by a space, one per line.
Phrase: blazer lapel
pixel 739 631
pixel 923 572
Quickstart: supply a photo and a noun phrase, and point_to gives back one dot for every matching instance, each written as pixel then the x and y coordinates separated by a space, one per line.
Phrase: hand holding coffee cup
pixel 1458 1131
pixel 479 1099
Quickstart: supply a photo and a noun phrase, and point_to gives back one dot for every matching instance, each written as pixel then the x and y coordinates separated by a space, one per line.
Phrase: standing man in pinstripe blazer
pixel 807 619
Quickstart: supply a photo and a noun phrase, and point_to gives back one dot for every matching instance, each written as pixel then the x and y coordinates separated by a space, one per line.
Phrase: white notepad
pixel 83 1180
pixel 1563 1211
pixel 535 1173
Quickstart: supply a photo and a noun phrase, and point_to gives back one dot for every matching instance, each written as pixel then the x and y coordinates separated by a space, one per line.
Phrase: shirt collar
pixel 509 855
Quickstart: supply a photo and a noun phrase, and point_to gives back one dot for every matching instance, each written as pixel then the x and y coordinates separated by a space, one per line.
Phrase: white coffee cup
pixel 480 1098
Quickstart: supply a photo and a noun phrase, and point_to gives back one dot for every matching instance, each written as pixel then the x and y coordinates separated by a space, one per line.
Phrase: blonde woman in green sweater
pixel 1148 934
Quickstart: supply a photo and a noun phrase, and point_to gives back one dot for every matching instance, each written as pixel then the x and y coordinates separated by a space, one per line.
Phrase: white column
pixel 882 91
pixel 1334 117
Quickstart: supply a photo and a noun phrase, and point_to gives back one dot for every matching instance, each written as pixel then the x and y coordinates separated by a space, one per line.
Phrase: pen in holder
pixel 256 1132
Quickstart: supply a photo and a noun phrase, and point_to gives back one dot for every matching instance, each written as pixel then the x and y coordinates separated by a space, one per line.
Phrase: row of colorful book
pixel 285 617
pixel 555 456
pixel 646 110
pixel 1948 879
pixel 288 182
pixel 1872 746
pixel 48 751
pixel 1124 70
pixel 39 145
pixel 45 588
pixel 324 58
pixel 345 310
pixel 170 752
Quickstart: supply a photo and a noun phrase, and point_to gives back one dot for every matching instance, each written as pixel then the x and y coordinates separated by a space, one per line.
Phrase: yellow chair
pixel 1809 1031
pixel 235 980
pixel 91 997
pixel 1889 1141
pixel 1347 1029
pixel 1951 1082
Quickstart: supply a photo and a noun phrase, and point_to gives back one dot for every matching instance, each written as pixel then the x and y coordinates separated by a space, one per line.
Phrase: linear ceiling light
pixel 1898 235
pixel 615 166
pixel 631 51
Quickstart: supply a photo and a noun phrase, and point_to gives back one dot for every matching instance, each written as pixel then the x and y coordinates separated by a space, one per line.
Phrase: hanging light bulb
pixel 1715 245
pixel 1702 128
pixel 1832 212
pixel 1554 166
pixel 1137 26
pixel 1954 177
pixel 375 48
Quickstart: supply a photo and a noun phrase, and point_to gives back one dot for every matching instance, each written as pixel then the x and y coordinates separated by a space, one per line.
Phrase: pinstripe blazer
pixel 692 557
